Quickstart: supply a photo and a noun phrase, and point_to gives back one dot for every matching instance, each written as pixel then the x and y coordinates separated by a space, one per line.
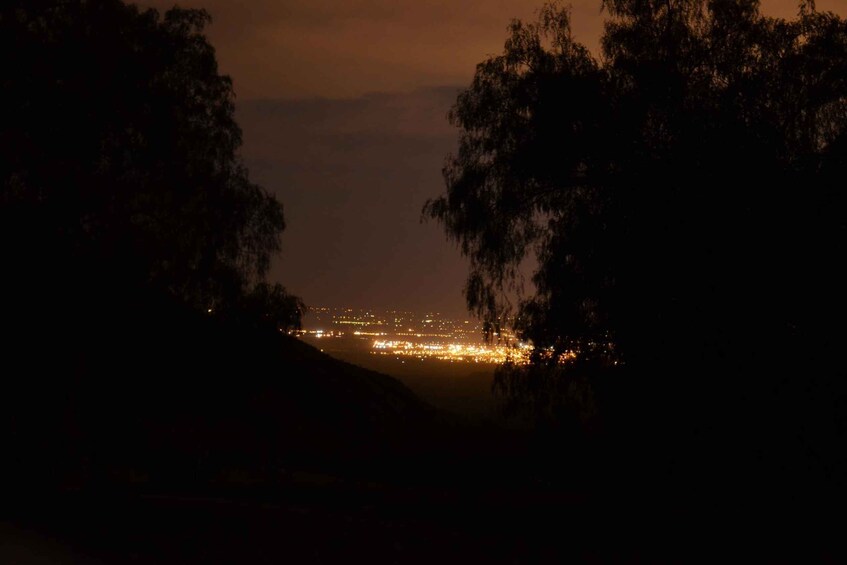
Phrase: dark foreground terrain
pixel 201 441
pixel 320 519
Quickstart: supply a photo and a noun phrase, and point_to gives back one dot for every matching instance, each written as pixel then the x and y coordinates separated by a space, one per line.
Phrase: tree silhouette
pixel 681 193
pixel 120 155
pixel 134 245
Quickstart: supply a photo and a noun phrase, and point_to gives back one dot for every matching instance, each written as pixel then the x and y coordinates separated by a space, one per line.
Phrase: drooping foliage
pixel 120 155
pixel 680 193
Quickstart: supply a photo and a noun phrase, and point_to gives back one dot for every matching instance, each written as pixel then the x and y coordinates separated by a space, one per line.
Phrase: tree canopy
pixel 120 156
pixel 680 193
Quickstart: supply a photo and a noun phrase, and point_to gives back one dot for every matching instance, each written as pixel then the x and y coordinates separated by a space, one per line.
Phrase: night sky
pixel 343 106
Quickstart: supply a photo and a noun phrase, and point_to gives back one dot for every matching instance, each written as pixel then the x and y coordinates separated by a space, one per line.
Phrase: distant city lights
pixel 408 336
pixel 453 351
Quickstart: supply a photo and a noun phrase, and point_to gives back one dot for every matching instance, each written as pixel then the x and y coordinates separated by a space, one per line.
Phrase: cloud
pixel 345 48
pixel 353 175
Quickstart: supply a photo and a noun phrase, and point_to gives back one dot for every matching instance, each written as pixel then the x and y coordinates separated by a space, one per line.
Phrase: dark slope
pixel 141 390
pixel 144 433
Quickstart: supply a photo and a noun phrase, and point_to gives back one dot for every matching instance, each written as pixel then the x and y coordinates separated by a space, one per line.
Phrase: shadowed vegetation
pixel 120 162
pixel 681 193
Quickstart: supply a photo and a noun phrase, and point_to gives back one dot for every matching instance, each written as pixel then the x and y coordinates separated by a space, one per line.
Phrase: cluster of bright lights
pixel 407 336
pixel 320 333
pixel 497 354
pixel 457 349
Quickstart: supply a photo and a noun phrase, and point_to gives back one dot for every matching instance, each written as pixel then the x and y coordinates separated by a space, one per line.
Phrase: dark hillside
pixel 183 438
pixel 144 390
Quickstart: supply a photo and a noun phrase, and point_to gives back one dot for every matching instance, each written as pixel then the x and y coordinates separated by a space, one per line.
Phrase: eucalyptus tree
pixel 680 195
pixel 121 156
